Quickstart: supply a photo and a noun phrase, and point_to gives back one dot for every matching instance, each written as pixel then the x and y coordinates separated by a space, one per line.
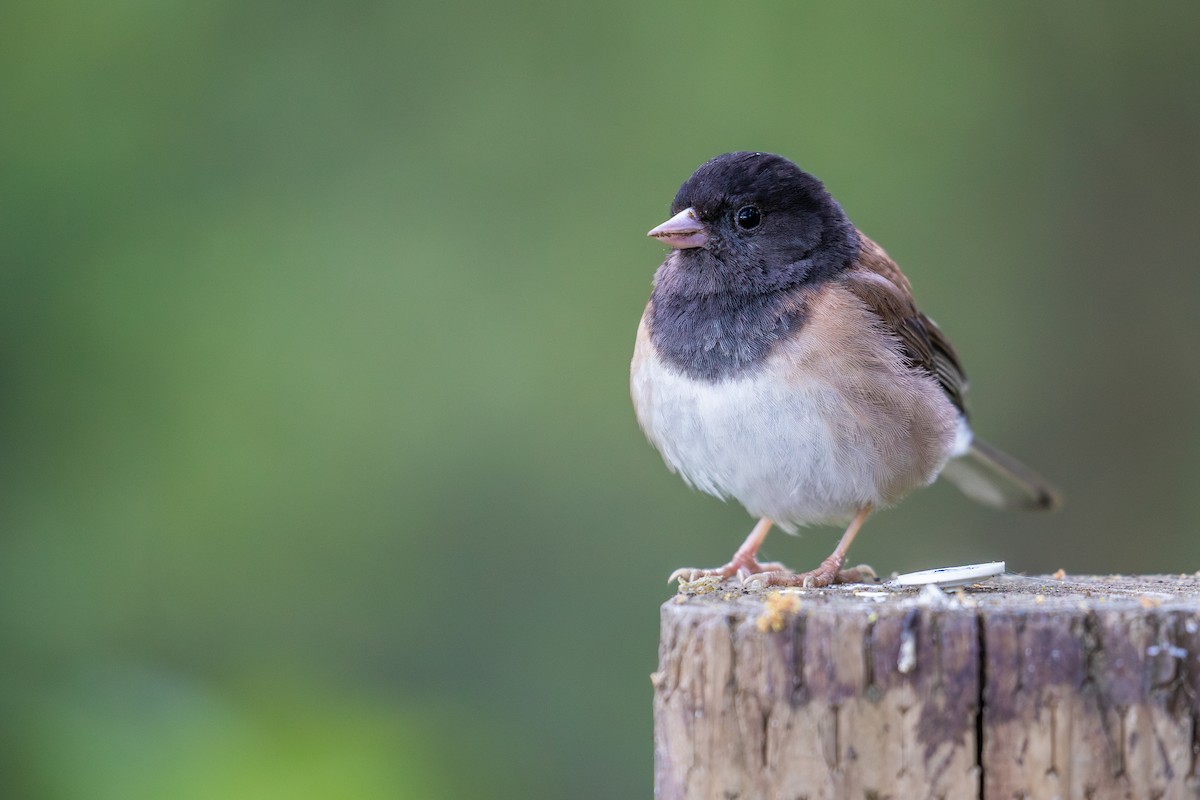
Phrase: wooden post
pixel 1020 688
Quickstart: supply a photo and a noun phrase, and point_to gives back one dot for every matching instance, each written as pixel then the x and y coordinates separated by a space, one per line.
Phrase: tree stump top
pixel 1007 592
pixel 1019 687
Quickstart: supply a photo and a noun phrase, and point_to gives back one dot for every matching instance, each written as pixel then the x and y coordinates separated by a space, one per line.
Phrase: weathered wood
pixel 1020 688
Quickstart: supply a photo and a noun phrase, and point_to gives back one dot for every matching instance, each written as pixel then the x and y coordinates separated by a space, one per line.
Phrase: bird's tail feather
pixel 996 479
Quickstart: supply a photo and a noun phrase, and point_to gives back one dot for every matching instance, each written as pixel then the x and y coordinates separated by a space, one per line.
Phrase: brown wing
pixel 878 282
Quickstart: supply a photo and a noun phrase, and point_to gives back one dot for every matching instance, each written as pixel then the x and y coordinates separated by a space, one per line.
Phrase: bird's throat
pixel 721 336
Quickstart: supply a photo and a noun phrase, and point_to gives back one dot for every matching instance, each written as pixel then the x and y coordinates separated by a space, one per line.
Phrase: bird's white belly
pixel 798 450
pixel 767 444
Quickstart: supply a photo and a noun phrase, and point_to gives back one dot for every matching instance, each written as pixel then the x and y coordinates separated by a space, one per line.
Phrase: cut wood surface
pixel 1018 688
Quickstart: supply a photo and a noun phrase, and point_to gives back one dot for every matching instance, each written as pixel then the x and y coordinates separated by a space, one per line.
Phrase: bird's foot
pixel 745 566
pixel 828 574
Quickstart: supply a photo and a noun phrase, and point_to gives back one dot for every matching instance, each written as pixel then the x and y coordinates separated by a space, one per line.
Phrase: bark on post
pixel 1081 687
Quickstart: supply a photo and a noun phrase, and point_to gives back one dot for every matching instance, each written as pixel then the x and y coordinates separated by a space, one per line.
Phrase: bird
pixel 782 362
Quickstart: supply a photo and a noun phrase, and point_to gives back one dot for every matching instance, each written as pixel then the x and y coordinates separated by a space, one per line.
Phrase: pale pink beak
pixel 682 231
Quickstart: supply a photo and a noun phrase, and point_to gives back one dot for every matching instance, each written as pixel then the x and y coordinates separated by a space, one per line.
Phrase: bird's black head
pixel 753 223
pixel 748 230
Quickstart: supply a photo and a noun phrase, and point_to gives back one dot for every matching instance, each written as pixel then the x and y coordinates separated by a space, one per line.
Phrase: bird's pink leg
pixel 831 571
pixel 744 560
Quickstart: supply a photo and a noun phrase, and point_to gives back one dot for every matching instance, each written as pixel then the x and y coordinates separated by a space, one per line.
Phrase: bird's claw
pixel 829 574
pixel 741 566
pixel 762 580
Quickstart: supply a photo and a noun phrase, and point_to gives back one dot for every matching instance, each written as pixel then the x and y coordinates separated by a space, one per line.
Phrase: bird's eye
pixel 748 217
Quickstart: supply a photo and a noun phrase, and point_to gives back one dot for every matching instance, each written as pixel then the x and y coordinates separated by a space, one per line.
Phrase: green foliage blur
pixel 319 474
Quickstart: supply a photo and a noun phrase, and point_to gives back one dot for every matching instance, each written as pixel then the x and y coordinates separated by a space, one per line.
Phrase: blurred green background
pixel 319 473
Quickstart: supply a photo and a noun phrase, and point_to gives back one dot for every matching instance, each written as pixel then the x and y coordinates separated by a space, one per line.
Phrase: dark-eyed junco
pixel 782 362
